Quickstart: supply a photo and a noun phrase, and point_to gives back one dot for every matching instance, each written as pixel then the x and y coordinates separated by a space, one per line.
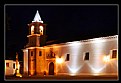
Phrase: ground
pixel 64 77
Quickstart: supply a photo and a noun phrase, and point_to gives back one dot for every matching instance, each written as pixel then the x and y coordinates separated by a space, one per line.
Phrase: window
pixel 114 53
pixel 41 30
pixel 7 64
pixel 40 53
pixel 31 53
pixel 32 29
pixel 14 65
pixel 67 57
pixel 86 56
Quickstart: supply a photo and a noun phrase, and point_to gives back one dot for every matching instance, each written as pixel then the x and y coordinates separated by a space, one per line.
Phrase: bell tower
pixel 37 32
pixel 33 51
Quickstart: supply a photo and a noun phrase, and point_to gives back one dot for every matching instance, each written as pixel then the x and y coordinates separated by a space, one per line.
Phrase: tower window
pixel 86 56
pixel 32 29
pixel 114 53
pixel 41 30
pixel 31 53
pixel 67 57
pixel 7 64
pixel 40 53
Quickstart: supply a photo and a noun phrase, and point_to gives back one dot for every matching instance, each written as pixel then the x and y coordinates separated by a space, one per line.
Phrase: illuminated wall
pixel 25 61
pixel 34 61
pixel 40 61
pixel 97 49
pixel 48 59
pixel 10 67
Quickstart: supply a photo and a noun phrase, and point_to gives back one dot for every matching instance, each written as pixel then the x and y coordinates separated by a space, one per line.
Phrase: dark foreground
pixel 63 77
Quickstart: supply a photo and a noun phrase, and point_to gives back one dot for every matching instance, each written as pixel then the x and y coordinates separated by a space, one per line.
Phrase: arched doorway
pixel 51 68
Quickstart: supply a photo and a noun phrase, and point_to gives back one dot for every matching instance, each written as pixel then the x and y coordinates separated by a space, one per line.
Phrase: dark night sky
pixel 64 23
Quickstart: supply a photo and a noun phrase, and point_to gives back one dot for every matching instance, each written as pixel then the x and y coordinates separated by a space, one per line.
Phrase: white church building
pixel 97 56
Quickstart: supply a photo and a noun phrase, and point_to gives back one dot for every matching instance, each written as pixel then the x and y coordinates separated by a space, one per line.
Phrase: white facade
pixel 100 59
pixel 10 67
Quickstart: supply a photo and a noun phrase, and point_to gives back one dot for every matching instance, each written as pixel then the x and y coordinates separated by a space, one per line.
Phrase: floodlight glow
pixel 74 70
pixel 59 60
pixel 18 75
pixel 96 70
pixel 106 58
pixel 74 65
pixel 98 46
pixel 74 43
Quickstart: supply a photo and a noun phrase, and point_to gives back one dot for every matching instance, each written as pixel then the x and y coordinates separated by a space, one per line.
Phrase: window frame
pixel 85 55
pixel 112 53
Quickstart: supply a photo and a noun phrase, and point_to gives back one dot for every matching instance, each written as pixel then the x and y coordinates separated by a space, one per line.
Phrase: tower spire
pixel 37 17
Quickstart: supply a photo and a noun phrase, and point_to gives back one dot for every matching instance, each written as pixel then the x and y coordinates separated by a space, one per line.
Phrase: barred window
pixel 114 53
